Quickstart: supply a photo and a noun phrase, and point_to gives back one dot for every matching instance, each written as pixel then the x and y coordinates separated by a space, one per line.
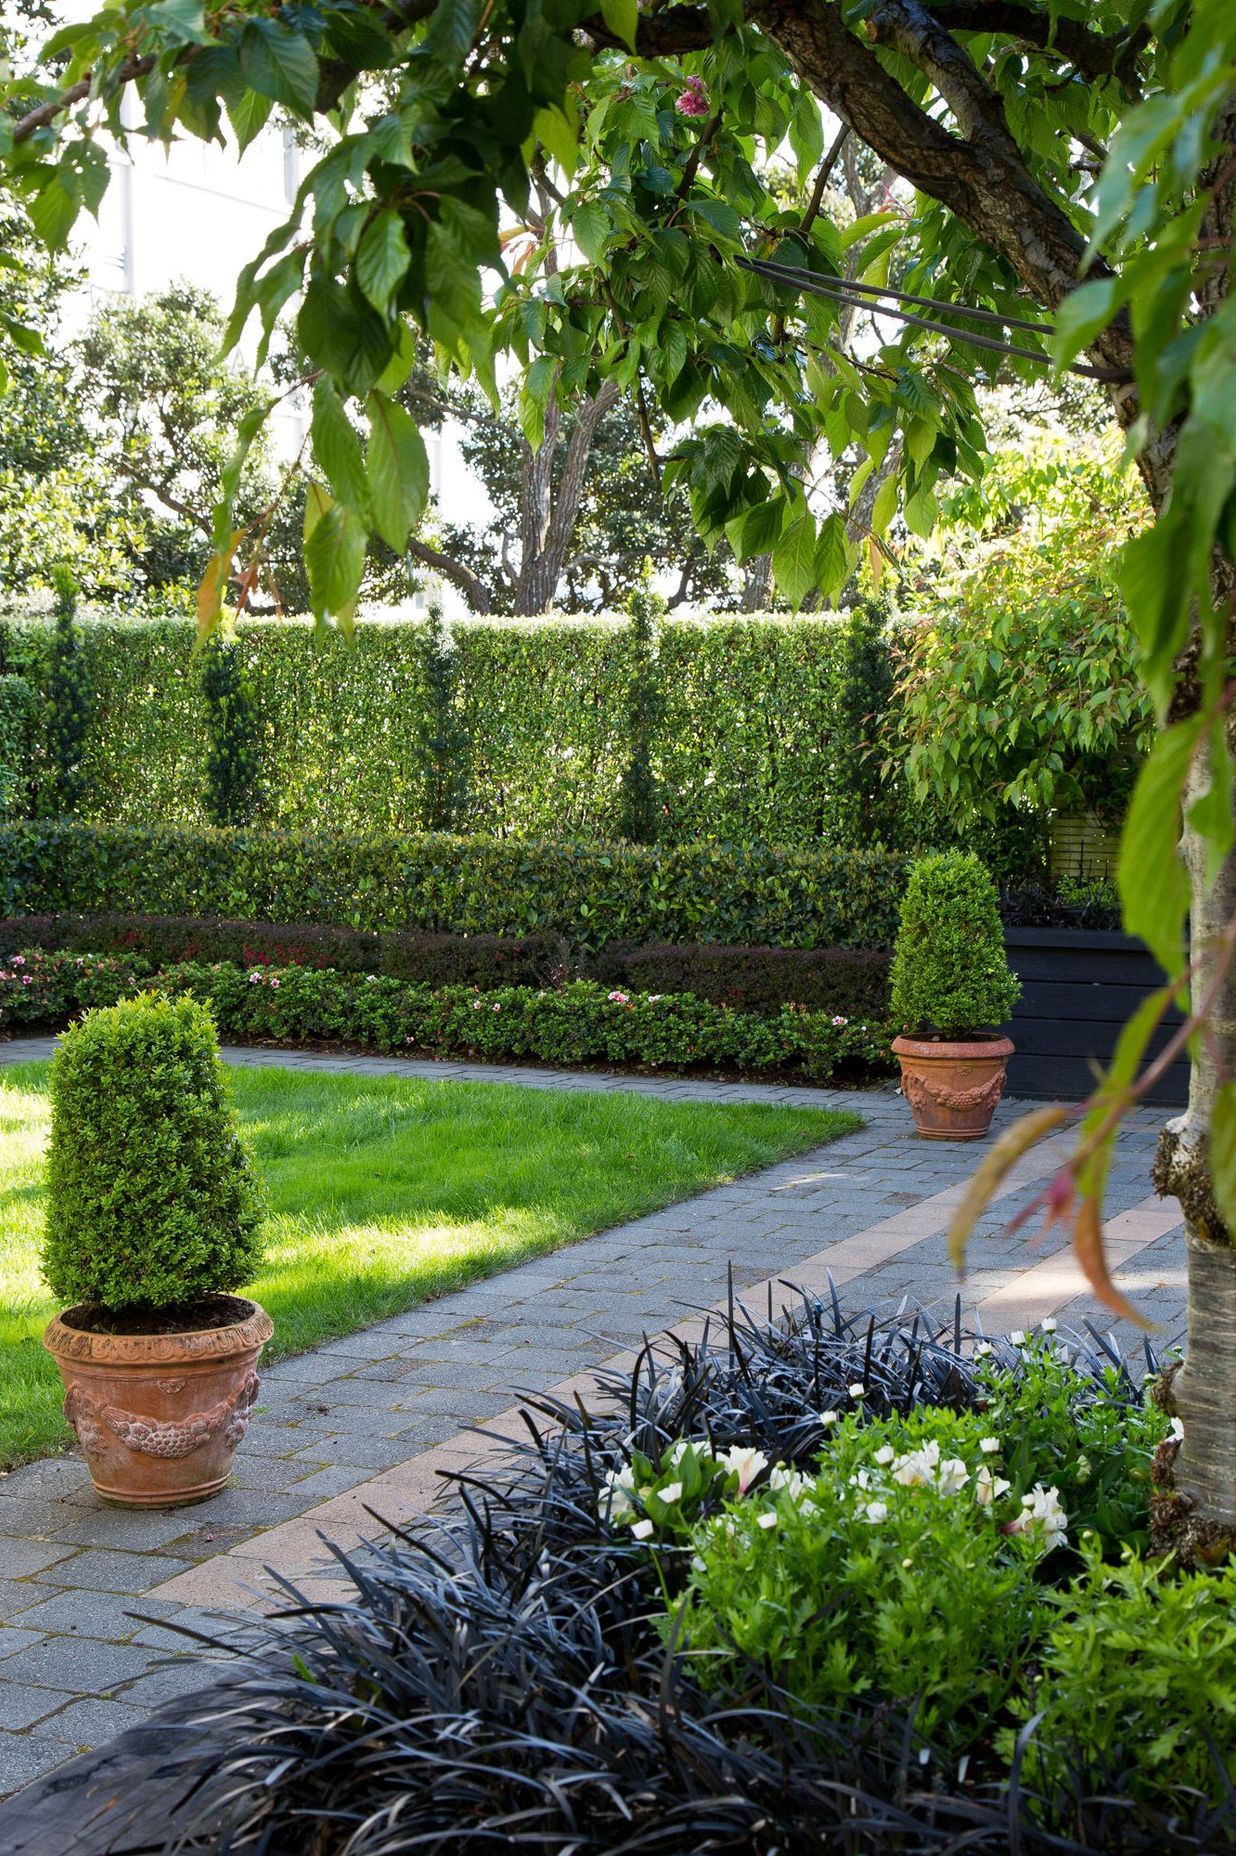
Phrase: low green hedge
pixel 581 1022
pixel 590 893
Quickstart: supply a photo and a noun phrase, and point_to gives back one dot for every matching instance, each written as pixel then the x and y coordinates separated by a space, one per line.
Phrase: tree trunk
pixel 548 510
pixel 1203 1392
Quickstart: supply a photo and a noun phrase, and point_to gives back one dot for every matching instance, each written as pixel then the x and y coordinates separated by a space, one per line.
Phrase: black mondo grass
pixel 496 1680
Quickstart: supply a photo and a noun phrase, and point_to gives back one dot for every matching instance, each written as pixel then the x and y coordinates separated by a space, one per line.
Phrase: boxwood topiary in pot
pixel 153 1218
pixel 950 989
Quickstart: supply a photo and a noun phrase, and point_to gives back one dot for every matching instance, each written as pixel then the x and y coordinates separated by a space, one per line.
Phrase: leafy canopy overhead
pixel 443 112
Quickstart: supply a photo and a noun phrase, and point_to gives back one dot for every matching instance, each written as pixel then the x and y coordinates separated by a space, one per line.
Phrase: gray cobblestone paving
pixel 77 1667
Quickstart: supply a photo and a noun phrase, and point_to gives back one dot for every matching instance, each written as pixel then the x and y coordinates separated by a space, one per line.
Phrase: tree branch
pixel 1093 54
pixel 474 591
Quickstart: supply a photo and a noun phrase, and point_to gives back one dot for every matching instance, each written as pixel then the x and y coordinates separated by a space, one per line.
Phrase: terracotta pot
pixel 952 1089
pixel 159 1416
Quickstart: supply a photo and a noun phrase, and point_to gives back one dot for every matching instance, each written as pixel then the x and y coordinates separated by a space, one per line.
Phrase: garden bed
pixel 838 1586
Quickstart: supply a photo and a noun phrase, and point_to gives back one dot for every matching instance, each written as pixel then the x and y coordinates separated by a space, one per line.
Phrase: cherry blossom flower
pixel 694 99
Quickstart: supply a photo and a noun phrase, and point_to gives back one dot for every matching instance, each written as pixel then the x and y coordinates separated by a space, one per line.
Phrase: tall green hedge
pixel 752 714
pixel 594 894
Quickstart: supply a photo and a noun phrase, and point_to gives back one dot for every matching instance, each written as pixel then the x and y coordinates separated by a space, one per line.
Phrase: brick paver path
pixel 369 1423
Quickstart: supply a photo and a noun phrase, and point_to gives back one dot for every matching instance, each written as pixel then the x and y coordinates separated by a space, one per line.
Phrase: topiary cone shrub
pixel 153 1218
pixel 950 988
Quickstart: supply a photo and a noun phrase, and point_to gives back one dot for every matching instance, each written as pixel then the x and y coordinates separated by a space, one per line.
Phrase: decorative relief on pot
pixel 929 1091
pixel 156 1437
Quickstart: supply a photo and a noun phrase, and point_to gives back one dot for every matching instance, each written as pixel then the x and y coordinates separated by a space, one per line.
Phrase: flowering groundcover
pixel 825 1584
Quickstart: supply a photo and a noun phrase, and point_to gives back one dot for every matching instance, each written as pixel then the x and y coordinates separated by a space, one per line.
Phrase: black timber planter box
pixel 1078 986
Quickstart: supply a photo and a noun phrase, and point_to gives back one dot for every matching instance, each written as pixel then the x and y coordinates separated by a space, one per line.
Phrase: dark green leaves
pixel 382 260
pixel 343 334
pixel 337 449
pixel 279 63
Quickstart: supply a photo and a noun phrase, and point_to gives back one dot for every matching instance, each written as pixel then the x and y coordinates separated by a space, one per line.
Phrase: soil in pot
pixel 159 1414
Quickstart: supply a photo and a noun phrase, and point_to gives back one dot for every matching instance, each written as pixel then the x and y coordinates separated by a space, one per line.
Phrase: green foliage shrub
pixel 150 1201
pixel 69 704
pixel 1139 1677
pixel 233 740
pixel 580 1022
pixel 753 738
pixel 639 818
pixel 949 972
pixel 442 735
pixel 17 708
pixel 589 893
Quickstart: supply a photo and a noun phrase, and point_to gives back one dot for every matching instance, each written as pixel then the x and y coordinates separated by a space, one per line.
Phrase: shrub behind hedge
pixel 590 893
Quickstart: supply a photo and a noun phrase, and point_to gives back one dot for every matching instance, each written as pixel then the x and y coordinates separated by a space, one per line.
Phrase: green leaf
pixel 1156 593
pixel 721 216
pixel 248 115
pixel 337 448
pixel 832 561
pixel 54 209
pixel 794 557
pixel 398 467
pixel 622 18
pixel 1081 315
pixel 383 259
pixel 534 398
pixel 1223 1152
pixel 280 63
pixel 591 226
pixel 1151 878
pixel 343 334
pixel 557 135
pixel 334 557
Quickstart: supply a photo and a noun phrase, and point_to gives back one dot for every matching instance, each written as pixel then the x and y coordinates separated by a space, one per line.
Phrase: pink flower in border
pixel 841 1021
pixel 275 983
pixel 694 99
pixel 619 998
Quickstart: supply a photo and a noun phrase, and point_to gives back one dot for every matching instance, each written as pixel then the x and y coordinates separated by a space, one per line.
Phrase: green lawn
pixel 383 1191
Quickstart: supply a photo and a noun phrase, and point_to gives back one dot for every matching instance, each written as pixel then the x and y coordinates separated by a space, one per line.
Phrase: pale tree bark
pixel 548 508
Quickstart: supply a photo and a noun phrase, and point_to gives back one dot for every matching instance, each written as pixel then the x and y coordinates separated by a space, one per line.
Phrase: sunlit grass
pixel 382 1191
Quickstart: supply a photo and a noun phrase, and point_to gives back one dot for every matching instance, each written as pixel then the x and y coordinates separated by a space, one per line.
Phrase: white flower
pixel 858 1390
pixel 907 1564
pixel 1048 1325
pixel 1043 1514
pixel 698 1564
pixel 989 1488
pixel 768 1519
pixel 917 1467
pixel 830 1417
pixel 1018 1337
pixel 642 1530
pixel 1083 1468
pixel 875 1512
pixel 885 1454
pixel 620 1486
pixel 990 1446
pixel 745 1463
pixel 671 1493
pixel 982 1348
pixel 952 1476
pixel 788 1479
pixel 861 1480
pixel 1177 1431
